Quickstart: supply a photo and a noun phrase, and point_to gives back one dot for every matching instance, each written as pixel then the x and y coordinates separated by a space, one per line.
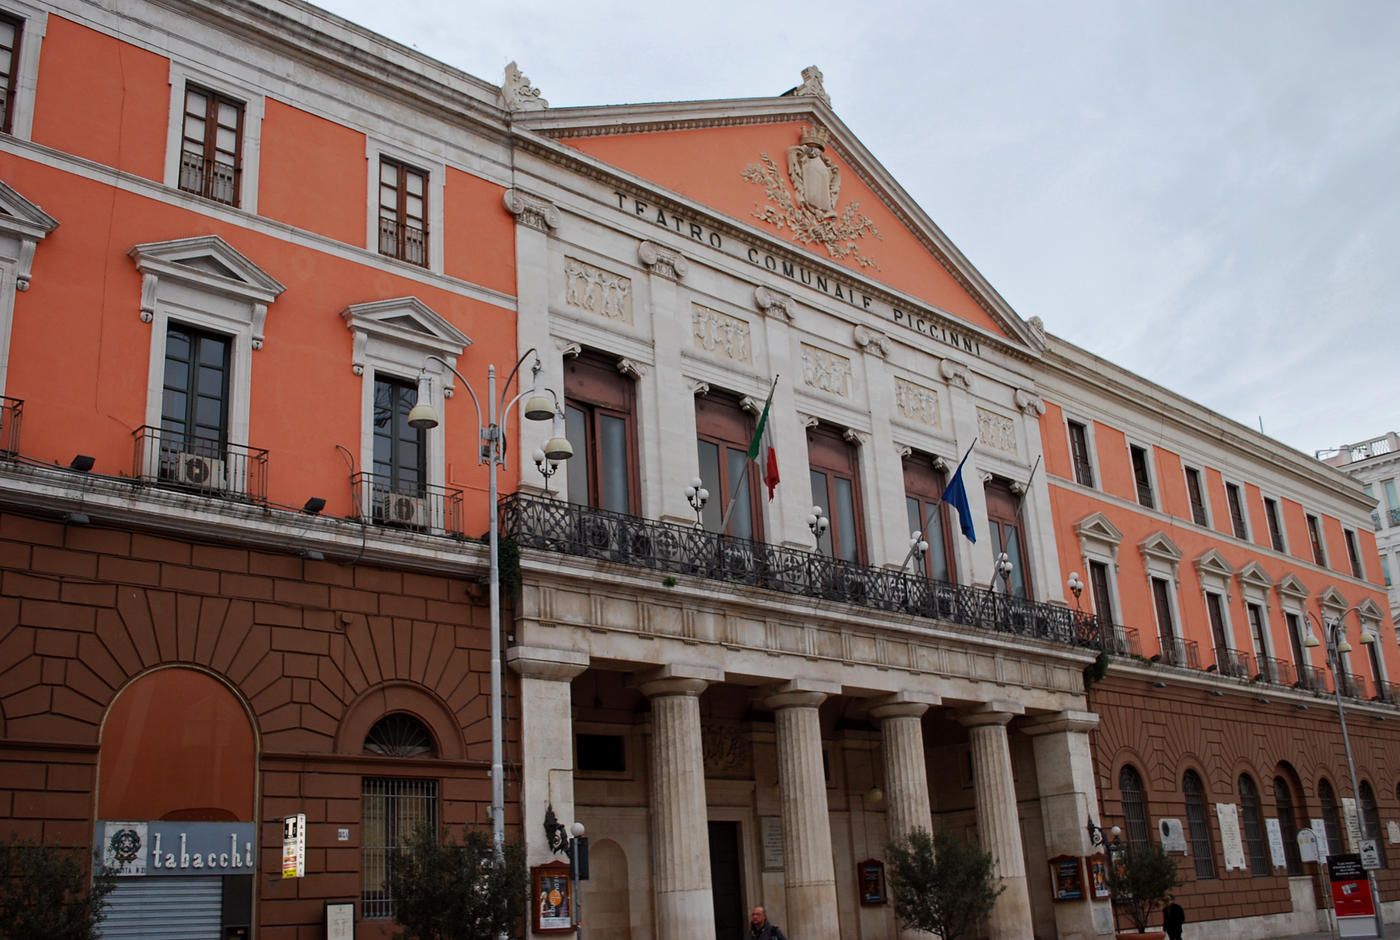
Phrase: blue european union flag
pixel 955 495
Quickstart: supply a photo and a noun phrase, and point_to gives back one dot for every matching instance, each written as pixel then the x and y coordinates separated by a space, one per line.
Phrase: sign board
pixel 1307 845
pixel 294 846
pixel 553 898
pixel 1275 832
pixel 1370 855
pixel 1232 846
pixel 154 847
pixel 1066 878
pixel 340 920
pixel 1319 831
pixel 871 873
pixel 1353 824
pixel 770 830
pixel 1392 829
pixel 1351 896
pixel 1173 835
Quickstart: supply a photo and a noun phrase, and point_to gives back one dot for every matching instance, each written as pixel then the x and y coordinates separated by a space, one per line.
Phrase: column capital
pixel 900 704
pixel 531 210
pixel 991 713
pixel 541 663
pixel 676 679
pixel 1061 721
pixel 799 693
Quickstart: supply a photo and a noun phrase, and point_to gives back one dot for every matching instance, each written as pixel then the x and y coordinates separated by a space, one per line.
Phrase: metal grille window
pixel 391 811
pixel 1134 809
pixel 1331 821
pixel 1253 827
pixel 211 144
pixel 1288 823
pixel 10 29
pixel 403 212
pixel 1198 825
pixel 1370 813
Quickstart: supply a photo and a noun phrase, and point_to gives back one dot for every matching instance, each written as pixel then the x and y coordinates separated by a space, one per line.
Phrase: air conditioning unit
pixel 398 509
pixel 198 470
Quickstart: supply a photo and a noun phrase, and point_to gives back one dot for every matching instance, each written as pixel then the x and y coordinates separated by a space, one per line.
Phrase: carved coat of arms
pixel 808 202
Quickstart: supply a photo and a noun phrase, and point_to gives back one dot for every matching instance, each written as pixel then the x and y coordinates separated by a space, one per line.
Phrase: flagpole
pixel 938 505
pixel 744 474
pixel 1020 504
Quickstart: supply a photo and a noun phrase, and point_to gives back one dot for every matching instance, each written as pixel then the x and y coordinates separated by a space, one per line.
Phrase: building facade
pixel 743 686
pixel 1375 463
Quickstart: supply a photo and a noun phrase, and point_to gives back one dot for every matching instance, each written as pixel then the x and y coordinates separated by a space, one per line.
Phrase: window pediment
pixel 1160 553
pixel 1212 563
pixel 1333 598
pixel 1097 535
pixel 403 328
pixel 208 265
pixel 1370 610
pixel 27 224
pixel 1290 588
pixel 1253 576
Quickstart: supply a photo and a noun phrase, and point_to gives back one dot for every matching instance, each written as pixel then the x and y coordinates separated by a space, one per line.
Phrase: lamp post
pixel 1077 587
pixel 1335 636
pixel 818 523
pixel 538 407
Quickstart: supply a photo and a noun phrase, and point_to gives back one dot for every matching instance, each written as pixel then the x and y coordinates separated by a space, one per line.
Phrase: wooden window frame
pixel 399 243
pixel 208 146
pixel 1313 522
pixel 1080 451
pixel 1234 500
pixel 1143 489
pixel 721 421
pixel 1003 514
pixel 1274 521
pixel 1353 553
pixel 11 81
pixel 830 454
pixel 594 386
pixel 924 483
pixel 1101 589
pixel 1196 495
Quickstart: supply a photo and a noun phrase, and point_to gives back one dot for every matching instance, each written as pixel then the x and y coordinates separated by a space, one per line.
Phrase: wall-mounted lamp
pixel 1261 700
pixel 546 467
pixel 1099 836
pixel 313 505
pixel 76 518
pixel 82 463
pixel 1159 684
pixel 311 554
pixel 1215 692
pixel 875 795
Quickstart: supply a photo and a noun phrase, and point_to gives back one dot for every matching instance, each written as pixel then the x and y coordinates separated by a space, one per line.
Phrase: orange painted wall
pixel 1219 503
pixel 177 740
pixel 480 245
pixel 312 174
pixel 80 320
pixel 707 165
pixel 1054 442
pixel 102 99
pixel 1254 509
pixel 1170 483
pixel 1115 468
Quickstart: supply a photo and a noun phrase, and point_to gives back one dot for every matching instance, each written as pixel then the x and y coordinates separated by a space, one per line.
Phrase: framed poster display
pixel 1098 878
pixel 552 898
pixel 1066 878
pixel 871 873
pixel 340 920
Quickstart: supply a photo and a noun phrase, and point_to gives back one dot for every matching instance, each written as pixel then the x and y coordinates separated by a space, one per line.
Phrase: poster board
pixel 1066 878
pixel 552 898
pixel 1098 877
pixel 871 875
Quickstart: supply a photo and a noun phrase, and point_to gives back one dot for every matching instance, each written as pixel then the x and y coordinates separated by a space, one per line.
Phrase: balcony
pixel 1388 692
pixel 554 525
pixel 209 178
pixel 403 241
pixel 1310 678
pixel 196 465
pixel 1083 472
pixel 1274 671
pixel 1234 663
pixel 1353 685
pixel 1394 515
pixel 431 510
pixel 1179 652
pixel 11 411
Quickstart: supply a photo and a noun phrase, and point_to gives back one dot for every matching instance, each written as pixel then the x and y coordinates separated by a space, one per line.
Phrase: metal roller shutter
pixel 176 908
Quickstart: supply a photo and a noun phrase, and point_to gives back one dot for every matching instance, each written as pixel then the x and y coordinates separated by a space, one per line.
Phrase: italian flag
pixel 761 449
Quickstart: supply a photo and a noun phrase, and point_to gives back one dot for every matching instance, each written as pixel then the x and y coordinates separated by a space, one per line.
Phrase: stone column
pixel 809 872
pixel 680 838
pixel 546 739
pixel 998 823
pixel 535 218
pixel 906 774
pixel 1068 802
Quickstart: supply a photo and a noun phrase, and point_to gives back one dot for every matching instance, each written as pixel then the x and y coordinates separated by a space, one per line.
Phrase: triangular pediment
pixel 22 218
pixel 210 263
pixel 1370 610
pixel 1157 545
pixel 408 321
pixel 1291 587
pixel 744 161
pixel 1097 527
pixel 1253 575
pixel 1211 562
pixel 1331 597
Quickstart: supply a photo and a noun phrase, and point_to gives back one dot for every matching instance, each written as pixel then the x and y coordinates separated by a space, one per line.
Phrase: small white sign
pixel 1307 845
pixel 1392 829
pixel 1231 845
pixel 1370 855
pixel 1319 831
pixel 1276 843
pixel 771 829
pixel 342 835
pixel 1353 823
pixel 1173 835
pixel 294 846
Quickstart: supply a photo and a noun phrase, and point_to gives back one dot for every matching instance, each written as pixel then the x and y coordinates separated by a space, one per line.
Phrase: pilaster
pixel 668 460
pixel 535 218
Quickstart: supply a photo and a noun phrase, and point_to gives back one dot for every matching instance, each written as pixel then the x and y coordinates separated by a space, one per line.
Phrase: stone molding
pixel 531 211
pixel 662 261
pixel 875 343
pixel 774 303
pixel 517 94
pixel 1069 720
pixel 539 663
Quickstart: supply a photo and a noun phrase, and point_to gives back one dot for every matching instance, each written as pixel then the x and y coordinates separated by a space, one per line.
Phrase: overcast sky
pixel 1207 193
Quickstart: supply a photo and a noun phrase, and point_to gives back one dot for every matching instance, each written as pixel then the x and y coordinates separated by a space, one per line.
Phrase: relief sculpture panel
pixel 719 334
pixel 997 431
pixel 826 371
pixel 916 403
pixel 597 291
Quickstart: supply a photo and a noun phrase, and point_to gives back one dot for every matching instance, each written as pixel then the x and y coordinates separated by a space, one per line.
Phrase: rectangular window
pixel 1392 504
pixel 836 489
pixel 1275 529
pixel 1353 555
pixel 1375 513
pixel 10 30
pixel 1161 602
pixel 598 423
pixel 1004 523
pixel 211 145
pixel 1235 499
pixel 1103 598
pixel 1256 630
pixel 1215 608
pixel 391 811
pixel 1196 494
pixel 1385 570
pixel 1079 453
pixel 400 451
pixel 923 490
pixel 1142 476
pixel 1319 555
pixel 723 433
pixel 403 212
pixel 1295 644
pixel 194 407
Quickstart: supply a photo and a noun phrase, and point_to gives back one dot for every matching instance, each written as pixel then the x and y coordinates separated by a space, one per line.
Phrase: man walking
pixel 762 929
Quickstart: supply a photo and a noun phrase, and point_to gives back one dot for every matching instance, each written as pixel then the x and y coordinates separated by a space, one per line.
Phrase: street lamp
pixel 1077 587
pixel 539 406
pixel 1334 633
pixel 1004 568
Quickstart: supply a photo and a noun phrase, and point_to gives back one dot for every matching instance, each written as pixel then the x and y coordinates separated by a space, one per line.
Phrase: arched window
pixel 1198 825
pixel 392 808
pixel 1253 827
pixel 1372 816
pixel 1331 821
pixel 400 735
pixel 1288 823
pixel 1134 808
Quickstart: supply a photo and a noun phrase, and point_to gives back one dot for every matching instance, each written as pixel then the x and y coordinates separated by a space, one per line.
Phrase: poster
pixel 1098 877
pixel 872 881
pixel 1066 878
pixel 1351 891
pixel 1232 847
pixel 552 898
pixel 1319 829
pixel 1275 833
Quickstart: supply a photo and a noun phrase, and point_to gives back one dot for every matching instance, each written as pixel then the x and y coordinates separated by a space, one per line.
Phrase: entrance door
pixel 726 879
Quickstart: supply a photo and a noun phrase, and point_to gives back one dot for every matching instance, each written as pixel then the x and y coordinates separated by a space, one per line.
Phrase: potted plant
pixel 940 884
pixel 1140 882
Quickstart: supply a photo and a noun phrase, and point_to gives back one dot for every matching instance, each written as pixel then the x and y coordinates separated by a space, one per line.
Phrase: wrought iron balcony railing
pixel 1394 516
pixel 433 510
pixel 1353 685
pixel 403 241
pixel 1274 671
pixel 1388 692
pixel 559 526
pixel 1119 640
pixel 209 178
pixel 1083 472
pixel 1234 663
pixel 1310 678
pixel 197 465
pixel 1179 652
pixel 11 411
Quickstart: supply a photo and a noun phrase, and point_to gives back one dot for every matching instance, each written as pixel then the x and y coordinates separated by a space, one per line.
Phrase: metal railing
pixel 1179 652
pixel 1353 685
pixel 558 526
pixel 403 241
pixel 1083 472
pixel 11 413
pixel 198 465
pixel 1311 679
pixel 432 510
pixel 1394 516
pixel 1275 671
pixel 1234 663
pixel 209 178
pixel 1388 692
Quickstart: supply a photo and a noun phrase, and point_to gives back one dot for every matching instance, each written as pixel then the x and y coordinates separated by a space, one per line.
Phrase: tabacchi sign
pixel 137 849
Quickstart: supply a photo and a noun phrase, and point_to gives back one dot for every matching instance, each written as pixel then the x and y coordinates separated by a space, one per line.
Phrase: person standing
pixel 1173 916
pixel 761 928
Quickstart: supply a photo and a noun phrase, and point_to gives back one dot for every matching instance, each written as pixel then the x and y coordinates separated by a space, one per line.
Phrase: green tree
pixel 1140 881
pixel 457 890
pixel 45 893
pixel 940 883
